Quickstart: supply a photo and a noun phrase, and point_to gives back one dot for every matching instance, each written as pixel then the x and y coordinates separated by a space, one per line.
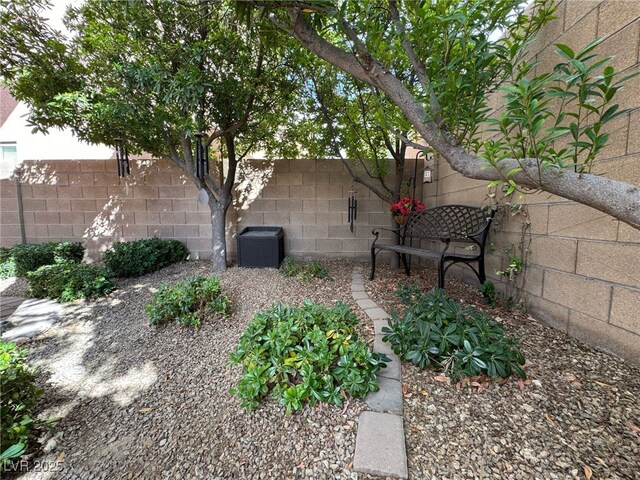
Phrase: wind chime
pixel 122 158
pixel 202 157
pixel 352 211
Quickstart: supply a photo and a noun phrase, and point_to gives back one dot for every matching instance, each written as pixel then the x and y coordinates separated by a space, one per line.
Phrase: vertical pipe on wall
pixel 23 234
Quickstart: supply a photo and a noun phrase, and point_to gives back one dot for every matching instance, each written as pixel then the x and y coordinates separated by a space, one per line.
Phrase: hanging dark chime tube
pixel 352 211
pixel 122 158
pixel 202 157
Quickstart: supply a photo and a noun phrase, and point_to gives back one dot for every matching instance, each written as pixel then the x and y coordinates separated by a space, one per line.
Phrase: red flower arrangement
pixel 405 206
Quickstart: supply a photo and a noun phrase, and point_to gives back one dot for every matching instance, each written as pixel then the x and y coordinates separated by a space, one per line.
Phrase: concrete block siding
pixel 584 266
pixel 84 200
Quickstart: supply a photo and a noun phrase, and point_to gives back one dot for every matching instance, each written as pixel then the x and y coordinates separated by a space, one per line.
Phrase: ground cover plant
pixel 306 354
pixel 305 270
pixel 69 281
pixel 188 302
pixel 19 396
pixel 139 257
pixel 438 331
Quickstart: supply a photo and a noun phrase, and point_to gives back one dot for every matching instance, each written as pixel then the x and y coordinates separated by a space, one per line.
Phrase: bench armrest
pixel 376 232
pixel 445 237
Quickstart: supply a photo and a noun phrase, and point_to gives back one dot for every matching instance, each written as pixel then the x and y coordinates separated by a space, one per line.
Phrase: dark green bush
pixel 136 258
pixel 69 281
pixel 188 302
pixel 19 396
pixel 28 257
pixel 5 254
pixel 438 331
pixel 307 354
pixel 68 252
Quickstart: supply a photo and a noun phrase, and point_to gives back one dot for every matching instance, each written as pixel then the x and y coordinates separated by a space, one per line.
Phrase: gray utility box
pixel 261 247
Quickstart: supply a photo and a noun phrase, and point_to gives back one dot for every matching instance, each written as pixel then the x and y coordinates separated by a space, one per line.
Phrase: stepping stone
pixel 381 347
pixel 380 448
pixel 360 295
pixel 388 398
pixel 378 324
pixel 366 304
pixel 32 317
pixel 357 287
pixel 393 369
pixel 376 313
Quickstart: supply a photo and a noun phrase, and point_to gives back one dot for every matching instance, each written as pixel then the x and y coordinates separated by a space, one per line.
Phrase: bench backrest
pixel 461 223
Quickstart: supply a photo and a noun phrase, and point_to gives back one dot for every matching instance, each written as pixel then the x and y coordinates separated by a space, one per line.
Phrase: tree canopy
pixel 155 74
pixel 453 51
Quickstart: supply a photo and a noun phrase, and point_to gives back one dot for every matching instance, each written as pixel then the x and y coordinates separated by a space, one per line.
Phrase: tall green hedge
pixel 139 257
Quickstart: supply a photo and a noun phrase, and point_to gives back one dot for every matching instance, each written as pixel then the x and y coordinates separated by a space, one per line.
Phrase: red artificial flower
pixel 406 205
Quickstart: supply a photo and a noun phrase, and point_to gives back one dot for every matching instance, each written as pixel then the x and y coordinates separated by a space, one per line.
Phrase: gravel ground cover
pixel 145 402
pixel 576 416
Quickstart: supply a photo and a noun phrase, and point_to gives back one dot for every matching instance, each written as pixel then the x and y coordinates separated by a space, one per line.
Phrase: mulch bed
pixel 576 416
pixel 153 402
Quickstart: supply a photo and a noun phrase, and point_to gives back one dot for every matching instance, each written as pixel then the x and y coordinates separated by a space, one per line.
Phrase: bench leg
pixel 481 275
pixel 373 264
pixel 441 274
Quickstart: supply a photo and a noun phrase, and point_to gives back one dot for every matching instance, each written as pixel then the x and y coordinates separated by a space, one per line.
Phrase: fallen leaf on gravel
pixel 588 473
pixel 145 409
pixel 405 389
pixel 60 457
pixel 571 378
pixel 442 378
pixel 424 393
pixel 521 384
pixel 549 419
pixel 349 465
pixel 601 462
pixel 602 384
pixel 633 427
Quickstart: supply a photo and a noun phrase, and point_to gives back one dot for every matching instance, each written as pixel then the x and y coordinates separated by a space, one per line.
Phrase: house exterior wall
pixel 84 200
pixel 584 266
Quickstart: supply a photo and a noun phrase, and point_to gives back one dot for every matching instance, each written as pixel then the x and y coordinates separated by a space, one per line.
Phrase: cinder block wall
pixel 584 266
pixel 309 199
pixel 86 201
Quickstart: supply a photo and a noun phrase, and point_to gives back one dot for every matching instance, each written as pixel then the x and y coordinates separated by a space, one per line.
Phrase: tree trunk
pixel 218 233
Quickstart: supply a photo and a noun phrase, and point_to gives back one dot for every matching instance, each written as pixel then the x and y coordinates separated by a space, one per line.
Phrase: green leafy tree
pixel 155 73
pixel 459 62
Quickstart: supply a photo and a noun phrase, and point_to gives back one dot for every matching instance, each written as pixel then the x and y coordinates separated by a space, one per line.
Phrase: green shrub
pixel 69 281
pixel 489 293
pixel 188 302
pixel 19 396
pixel 289 267
pixel 7 269
pixel 139 257
pixel 307 354
pixel 68 252
pixel 306 270
pixel 316 269
pixel 28 257
pixel 438 331
pixel 5 254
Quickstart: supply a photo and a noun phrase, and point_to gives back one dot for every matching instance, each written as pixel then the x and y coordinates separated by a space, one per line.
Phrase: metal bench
pixel 447 224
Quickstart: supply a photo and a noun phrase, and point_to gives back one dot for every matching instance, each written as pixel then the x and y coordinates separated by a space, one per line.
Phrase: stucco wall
pixel 584 266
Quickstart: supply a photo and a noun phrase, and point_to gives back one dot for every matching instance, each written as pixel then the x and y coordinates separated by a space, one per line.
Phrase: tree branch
pixel 619 199
pixel 416 65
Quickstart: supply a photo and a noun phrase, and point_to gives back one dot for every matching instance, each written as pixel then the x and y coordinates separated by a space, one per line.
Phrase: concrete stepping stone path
pixel 380 443
pixel 31 317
